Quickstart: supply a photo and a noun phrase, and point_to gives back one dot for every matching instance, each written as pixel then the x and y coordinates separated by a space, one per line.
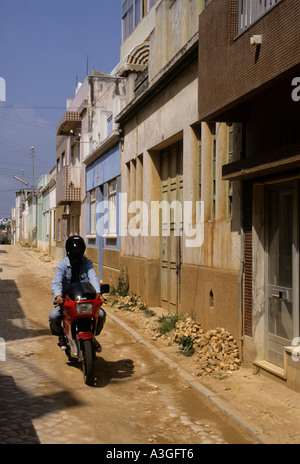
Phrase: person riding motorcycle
pixel 74 268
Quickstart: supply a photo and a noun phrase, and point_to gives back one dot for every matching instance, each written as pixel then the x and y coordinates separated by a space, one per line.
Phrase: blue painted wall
pixel 103 169
pixel 98 174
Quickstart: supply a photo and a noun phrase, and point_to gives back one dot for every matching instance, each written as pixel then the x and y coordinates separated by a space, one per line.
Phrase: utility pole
pixel 34 222
pixel 32 155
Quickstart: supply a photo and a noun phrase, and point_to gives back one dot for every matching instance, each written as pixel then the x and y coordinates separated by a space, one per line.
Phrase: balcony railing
pixel 68 185
pixel 252 10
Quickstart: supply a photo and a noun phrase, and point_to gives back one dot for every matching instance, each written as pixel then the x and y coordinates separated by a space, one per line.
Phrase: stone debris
pixel 129 303
pixel 216 351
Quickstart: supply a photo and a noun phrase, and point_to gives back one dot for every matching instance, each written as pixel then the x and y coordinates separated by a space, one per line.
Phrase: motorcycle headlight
pixel 84 308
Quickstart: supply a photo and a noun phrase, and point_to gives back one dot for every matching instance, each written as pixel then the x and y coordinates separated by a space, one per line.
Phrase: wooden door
pixel 171 226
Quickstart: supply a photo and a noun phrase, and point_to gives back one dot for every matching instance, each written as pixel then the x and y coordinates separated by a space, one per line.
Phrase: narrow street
pixel 136 398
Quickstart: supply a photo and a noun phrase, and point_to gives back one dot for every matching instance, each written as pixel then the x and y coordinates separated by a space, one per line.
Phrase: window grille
pixel 252 10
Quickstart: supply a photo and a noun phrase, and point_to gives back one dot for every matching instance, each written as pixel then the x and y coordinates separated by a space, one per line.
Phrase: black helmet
pixel 75 247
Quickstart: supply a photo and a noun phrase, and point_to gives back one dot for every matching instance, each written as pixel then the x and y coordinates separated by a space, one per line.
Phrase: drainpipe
pixel 241 294
pixel 241 275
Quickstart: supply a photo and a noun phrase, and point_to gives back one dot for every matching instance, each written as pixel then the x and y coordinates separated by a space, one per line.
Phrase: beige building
pixel 181 227
pixel 79 132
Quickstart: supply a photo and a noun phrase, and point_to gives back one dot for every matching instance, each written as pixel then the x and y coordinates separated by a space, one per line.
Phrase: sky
pixel 45 46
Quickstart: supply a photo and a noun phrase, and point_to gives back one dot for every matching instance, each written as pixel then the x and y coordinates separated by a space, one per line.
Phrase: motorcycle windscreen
pixel 81 291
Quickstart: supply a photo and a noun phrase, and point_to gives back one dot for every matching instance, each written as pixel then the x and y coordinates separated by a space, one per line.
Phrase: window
pixel 53 225
pixel 199 163
pixel 109 125
pixel 58 230
pixel 75 224
pixel 90 144
pixel 251 10
pixel 63 159
pixel 127 18
pixel 131 16
pixel 132 13
pixel 151 3
pixel 47 219
pixel 112 207
pixel 137 12
pixel 93 212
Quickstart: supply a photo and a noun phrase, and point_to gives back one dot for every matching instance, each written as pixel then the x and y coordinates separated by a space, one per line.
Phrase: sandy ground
pixel 138 397
pixel 166 380
pixel 269 409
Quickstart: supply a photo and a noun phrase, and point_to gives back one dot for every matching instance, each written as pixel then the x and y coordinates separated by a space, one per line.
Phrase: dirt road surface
pixel 136 398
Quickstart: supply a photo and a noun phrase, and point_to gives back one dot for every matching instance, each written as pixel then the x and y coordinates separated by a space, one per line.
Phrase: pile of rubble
pixel 216 351
pixel 129 303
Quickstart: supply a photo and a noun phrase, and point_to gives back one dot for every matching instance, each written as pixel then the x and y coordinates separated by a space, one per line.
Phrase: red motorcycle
pixel 80 318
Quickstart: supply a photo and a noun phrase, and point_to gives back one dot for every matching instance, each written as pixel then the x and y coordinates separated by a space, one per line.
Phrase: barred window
pixel 252 10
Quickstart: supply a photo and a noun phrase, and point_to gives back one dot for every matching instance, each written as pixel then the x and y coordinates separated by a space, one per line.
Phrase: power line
pixel 10 190
pixel 33 107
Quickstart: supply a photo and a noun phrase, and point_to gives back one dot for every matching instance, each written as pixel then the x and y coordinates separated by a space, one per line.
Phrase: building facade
pixel 181 246
pixel 76 138
pixel 182 169
pixel 46 206
pixel 158 135
pixel 103 184
pixel 19 218
pixel 249 76
pixel 71 130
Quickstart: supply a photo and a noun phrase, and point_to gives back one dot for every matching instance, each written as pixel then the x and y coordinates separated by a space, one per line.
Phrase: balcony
pixel 68 185
pixel 251 11
pixel 71 120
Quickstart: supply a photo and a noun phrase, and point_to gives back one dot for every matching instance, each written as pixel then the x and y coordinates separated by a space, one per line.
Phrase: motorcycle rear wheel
pixel 86 347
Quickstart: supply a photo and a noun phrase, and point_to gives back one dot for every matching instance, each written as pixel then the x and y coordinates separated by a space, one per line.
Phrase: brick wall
pixel 229 67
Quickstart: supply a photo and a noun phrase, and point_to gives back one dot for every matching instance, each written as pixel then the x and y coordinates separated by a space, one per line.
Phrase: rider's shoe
pixel 62 343
pixel 97 346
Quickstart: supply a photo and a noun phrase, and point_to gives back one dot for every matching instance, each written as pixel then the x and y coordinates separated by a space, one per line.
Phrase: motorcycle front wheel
pixel 86 347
